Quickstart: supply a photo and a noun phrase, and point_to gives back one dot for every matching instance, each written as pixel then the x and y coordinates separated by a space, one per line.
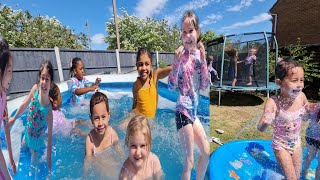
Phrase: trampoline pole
pixel 268 94
pixel 219 97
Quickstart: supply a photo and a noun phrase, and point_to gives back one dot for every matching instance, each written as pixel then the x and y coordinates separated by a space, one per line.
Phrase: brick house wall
pixel 297 19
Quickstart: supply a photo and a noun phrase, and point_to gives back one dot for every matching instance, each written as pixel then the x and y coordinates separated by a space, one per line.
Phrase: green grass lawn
pixel 238 116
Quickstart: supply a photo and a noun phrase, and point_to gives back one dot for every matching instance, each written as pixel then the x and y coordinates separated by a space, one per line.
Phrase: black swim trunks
pixel 182 120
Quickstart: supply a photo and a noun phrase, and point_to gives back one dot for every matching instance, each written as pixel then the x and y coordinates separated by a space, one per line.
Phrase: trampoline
pixel 248 159
pixel 230 67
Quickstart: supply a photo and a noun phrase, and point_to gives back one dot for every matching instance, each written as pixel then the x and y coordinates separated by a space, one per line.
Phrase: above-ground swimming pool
pixel 68 151
pixel 248 159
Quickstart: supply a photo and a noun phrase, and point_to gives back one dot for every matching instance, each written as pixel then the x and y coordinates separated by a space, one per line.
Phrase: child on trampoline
pixel 190 74
pixel 286 111
pixel 248 64
pixel 212 72
pixel 232 69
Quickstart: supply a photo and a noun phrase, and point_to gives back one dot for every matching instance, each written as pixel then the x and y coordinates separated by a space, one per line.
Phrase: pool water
pixel 68 152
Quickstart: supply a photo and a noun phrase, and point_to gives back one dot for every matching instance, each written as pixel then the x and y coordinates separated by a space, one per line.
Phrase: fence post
pixel 118 61
pixel 157 59
pixel 60 70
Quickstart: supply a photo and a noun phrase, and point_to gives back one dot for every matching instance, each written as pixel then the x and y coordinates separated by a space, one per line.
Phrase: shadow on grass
pixel 236 98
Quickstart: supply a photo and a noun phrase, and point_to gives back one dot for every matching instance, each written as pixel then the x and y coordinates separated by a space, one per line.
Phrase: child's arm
pixel 235 67
pixel 123 173
pixel 204 81
pixel 88 155
pixel 23 105
pixel 81 91
pixel 267 116
pixel 158 173
pixel 161 73
pixel 3 167
pixel 134 93
pixel 8 141
pixel 173 76
pixel 49 147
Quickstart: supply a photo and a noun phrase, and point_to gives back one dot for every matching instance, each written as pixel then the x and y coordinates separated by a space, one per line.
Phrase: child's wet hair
pixel 284 66
pixel 139 124
pixel 194 20
pixel 47 64
pixel 97 98
pixel 73 65
pixel 142 51
pixel 54 92
pixel 4 55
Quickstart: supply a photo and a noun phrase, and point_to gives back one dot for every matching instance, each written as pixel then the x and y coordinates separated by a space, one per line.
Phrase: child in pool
pixel 145 94
pixel 248 64
pixel 79 84
pixel 286 111
pixel 313 140
pixel 5 79
pixel 40 114
pixel 60 124
pixel 232 69
pixel 141 163
pixel 190 74
pixel 102 136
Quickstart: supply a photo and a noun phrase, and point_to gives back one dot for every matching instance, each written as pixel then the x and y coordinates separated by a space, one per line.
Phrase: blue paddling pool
pixel 248 159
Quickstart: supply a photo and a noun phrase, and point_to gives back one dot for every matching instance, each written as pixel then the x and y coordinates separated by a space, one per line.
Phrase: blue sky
pixel 221 16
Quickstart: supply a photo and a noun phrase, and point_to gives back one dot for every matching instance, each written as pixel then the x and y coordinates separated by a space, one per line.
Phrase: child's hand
pixel 14 167
pixel 202 50
pixel 94 87
pixel 179 52
pixel 10 122
pixel 98 80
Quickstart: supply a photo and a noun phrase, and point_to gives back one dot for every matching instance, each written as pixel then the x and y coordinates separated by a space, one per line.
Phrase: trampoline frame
pixel 269 86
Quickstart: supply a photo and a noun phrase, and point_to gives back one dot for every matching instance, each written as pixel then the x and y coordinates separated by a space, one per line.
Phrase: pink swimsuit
pixel 287 127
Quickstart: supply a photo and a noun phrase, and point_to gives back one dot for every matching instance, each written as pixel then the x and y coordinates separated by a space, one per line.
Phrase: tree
pixel 23 30
pixel 150 33
pixel 208 36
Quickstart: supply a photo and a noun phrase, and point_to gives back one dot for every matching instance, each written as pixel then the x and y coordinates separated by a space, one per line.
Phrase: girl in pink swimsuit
pixel 286 111
pixel 60 124
pixel 5 78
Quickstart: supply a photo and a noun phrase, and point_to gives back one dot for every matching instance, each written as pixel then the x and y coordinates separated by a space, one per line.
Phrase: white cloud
pixel 147 8
pixel 254 20
pixel 211 19
pixel 97 39
pixel 243 3
pixel 193 5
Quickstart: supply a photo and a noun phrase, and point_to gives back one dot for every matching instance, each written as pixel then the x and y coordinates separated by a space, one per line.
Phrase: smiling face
pixel 292 85
pixel 138 150
pixel 58 100
pixel 79 70
pixel 144 66
pixel 189 34
pixel 7 76
pixel 45 82
pixel 100 117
